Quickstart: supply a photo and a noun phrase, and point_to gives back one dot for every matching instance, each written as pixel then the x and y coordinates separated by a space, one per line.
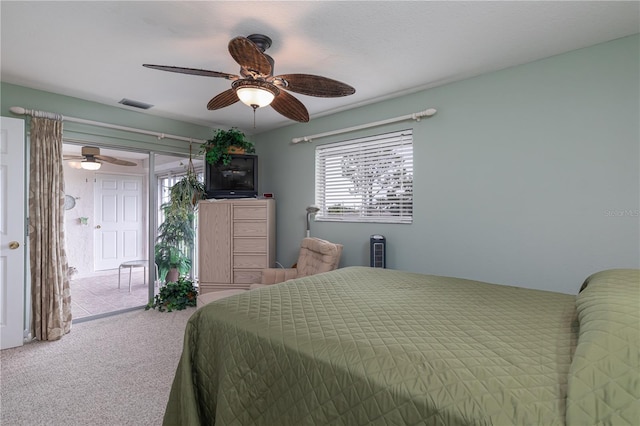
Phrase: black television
pixel 238 179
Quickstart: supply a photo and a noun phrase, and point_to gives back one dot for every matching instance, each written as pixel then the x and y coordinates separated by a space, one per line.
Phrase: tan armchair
pixel 315 256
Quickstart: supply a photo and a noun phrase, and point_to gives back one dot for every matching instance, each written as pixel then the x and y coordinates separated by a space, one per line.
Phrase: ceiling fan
pixel 256 86
pixel 91 155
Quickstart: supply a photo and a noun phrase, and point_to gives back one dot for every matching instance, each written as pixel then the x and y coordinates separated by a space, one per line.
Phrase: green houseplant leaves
pixel 175 296
pixel 217 149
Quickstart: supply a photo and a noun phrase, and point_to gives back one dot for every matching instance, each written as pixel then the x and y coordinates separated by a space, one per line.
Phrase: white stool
pixel 135 264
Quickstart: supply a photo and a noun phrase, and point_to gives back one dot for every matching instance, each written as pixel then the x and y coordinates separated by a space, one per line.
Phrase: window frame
pixel 378 185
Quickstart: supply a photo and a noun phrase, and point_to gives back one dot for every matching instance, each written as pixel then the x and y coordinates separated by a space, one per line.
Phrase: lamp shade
pixel 90 164
pixel 255 93
pixel 253 96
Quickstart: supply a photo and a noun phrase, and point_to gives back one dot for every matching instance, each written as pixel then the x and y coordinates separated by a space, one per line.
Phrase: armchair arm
pixel 278 275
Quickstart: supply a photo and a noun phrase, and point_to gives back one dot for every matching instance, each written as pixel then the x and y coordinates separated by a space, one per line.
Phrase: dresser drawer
pixel 249 261
pixel 249 212
pixel 250 245
pixel 247 277
pixel 250 229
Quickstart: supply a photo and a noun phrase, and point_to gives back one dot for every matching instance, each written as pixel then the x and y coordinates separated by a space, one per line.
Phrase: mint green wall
pixel 528 176
pixel 12 95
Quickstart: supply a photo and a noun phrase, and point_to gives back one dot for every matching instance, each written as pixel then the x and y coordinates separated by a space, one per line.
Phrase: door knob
pixel 98 226
pixel 14 245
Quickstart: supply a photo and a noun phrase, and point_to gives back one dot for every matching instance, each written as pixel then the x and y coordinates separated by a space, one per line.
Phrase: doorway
pixel 100 219
pixel 107 224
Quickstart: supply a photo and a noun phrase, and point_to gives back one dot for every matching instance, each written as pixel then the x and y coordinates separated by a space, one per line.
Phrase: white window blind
pixel 366 180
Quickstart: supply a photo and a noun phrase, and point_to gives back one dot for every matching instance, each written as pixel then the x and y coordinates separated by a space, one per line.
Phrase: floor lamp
pixel 310 211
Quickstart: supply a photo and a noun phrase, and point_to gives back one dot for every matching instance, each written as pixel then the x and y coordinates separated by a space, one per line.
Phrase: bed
pixel 364 346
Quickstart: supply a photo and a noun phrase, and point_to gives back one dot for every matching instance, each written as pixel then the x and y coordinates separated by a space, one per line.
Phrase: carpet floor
pixel 112 371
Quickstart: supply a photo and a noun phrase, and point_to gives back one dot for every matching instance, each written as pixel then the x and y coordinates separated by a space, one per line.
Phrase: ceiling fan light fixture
pixel 257 86
pixel 253 96
pixel 255 93
pixel 90 164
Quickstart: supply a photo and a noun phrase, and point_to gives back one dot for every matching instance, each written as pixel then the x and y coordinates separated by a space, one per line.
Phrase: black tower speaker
pixel 378 251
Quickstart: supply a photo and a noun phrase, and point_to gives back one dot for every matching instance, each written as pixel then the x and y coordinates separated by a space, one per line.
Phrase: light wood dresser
pixel 236 240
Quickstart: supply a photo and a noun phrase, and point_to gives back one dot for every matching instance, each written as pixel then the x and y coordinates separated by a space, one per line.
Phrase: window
pixel 366 180
pixel 165 181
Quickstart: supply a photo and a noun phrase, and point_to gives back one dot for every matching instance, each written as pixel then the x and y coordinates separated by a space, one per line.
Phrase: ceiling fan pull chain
pixel 255 107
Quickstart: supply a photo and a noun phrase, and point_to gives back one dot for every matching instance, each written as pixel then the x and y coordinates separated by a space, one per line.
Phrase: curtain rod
pixel 54 116
pixel 415 116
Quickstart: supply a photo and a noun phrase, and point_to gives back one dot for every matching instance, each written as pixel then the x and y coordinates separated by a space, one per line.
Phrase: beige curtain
pixel 50 294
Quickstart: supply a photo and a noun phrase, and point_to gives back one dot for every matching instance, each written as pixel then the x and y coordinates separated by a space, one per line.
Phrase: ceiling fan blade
pixel 314 85
pixel 192 71
pixel 72 157
pixel 114 160
pixel 224 99
pixel 249 56
pixel 290 107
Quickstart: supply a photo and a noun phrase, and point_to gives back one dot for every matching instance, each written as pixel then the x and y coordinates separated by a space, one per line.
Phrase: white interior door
pixel 119 220
pixel 12 232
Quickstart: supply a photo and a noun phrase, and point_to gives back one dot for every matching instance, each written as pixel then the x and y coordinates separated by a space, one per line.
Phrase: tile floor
pixel 99 293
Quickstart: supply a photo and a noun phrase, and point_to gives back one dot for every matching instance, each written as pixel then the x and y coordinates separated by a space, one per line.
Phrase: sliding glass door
pixel 111 226
pixel 106 229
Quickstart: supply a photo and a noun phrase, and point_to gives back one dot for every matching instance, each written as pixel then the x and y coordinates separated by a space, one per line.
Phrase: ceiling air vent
pixel 135 104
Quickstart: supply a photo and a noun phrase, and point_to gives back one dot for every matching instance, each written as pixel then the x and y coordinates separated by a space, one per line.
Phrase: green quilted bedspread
pixel 604 380
pixel 361 346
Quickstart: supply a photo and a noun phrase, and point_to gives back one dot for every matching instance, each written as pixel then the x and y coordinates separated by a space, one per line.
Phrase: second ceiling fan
pixel 256 85
pixel 91 159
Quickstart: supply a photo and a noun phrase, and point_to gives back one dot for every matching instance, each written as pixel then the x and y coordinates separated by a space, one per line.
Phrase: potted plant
pixel 187 191
pixel 175 296
pixel 224 143
pixel 172 262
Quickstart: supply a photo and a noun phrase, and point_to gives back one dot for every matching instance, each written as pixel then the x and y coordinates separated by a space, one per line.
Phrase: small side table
pixel 134 264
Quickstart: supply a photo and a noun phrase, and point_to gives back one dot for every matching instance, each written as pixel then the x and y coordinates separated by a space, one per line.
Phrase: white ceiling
pixel 95 50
